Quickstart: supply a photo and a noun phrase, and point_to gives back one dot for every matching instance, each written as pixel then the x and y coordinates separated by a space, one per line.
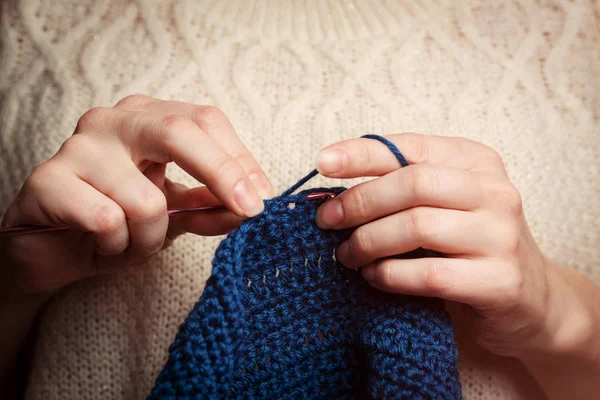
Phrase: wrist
pixel 572 320
pixel 565 360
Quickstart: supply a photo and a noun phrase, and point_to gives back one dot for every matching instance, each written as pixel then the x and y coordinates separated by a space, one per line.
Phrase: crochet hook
pixel 30 229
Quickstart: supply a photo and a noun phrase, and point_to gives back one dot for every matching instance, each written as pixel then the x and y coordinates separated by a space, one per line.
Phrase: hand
pixel 454 199
pixel 108 183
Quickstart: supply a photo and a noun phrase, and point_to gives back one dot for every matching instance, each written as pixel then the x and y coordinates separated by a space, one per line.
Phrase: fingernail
pixel 250 204
pixel 330 214
pixel 368 272
pixel 262 185
pixel 331 161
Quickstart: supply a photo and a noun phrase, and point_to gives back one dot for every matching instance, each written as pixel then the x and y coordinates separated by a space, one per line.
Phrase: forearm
pixel 570 365
pixel 17 316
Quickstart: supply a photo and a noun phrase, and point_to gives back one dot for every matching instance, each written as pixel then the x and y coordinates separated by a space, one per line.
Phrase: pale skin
pixel 108 182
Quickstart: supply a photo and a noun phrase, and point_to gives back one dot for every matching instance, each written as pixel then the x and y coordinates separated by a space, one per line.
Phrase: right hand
pixel 108 183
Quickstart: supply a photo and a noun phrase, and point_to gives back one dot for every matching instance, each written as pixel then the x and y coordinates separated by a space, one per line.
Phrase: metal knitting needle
pixel 31 229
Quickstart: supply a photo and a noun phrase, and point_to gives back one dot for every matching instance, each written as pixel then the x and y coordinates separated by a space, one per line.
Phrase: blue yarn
pixel 314 172
pixel 281 318
pixel 391 146
pixel 301 182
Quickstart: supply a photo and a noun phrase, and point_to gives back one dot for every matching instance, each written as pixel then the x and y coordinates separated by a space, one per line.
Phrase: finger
pixel 446 231
pixel 480 283
pixel 136 102
pixel 202 223
pixel 143 203
pixel 416 185
pixel 215 123
pixel 54 196
pixel 367 157
pixel 156 173
pixel 178 139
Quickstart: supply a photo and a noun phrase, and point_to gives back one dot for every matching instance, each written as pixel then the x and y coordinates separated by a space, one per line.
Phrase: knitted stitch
pixel 280 317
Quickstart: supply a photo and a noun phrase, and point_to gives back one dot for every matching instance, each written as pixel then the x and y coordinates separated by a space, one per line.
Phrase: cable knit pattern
pixel 293 76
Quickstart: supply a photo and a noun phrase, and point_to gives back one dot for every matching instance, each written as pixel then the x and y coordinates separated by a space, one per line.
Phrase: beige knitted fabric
pixel 293 77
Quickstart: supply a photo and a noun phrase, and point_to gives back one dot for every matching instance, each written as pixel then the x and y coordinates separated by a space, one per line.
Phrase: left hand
pixel 454 198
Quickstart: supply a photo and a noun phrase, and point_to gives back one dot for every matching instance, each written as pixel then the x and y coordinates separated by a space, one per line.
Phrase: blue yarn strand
pixel 314 172
pixel 301 182
pixel 391 146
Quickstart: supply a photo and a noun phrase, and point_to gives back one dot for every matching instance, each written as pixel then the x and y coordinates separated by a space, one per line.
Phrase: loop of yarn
pixel 314 172
pixel 281 318
pixel 390 146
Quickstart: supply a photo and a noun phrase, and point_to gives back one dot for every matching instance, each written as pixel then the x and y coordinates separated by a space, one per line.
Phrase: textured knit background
pixel 293 77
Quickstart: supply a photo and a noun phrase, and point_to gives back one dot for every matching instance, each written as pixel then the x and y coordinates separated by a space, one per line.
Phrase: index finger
pixel 163 139
pixel 215 124
pixel 366 157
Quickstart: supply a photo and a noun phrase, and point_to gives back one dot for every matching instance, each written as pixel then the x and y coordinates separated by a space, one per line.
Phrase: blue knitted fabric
pixel 280 318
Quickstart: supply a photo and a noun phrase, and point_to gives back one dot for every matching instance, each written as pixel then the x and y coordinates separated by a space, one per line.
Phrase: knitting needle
pixel 30 229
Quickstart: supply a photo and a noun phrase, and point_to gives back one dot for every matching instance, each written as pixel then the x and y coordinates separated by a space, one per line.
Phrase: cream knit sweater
pixel 293 77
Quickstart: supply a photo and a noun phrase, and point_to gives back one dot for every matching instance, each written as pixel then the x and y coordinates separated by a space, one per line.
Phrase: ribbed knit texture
pixel 280 317
pixel 294 76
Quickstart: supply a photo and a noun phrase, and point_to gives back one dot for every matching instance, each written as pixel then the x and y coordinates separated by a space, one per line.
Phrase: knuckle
pixel 420 224
pixel 190 198
pixel 358 204
pixel 470 150
pixel 77 145
pixel 436 277
pixel 361 242
pixel 108 219
pixel 514 201
pixel 384 273
pixel 41 176
pixel 151 205
pixel 171 127
pixel 508 198
pixel 224 167
pixel 491 156
pixel 514 285
pixel 92 118
pixel 426 180
pixel 245 158
pixel 478 153
pixel 209 115
pixel 134 101
pixel 467 146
